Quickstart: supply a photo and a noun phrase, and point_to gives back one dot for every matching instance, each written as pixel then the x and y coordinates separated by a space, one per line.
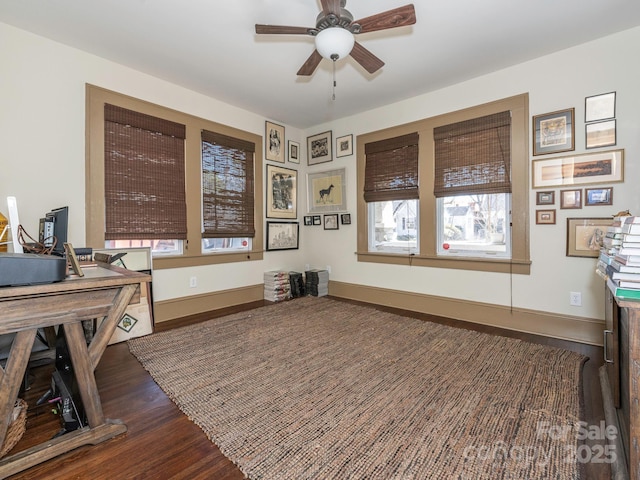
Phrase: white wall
pixel 554 82
pixel 42 115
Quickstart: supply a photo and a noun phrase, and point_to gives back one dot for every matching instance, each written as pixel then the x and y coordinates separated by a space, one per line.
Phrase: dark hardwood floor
pixel 162 443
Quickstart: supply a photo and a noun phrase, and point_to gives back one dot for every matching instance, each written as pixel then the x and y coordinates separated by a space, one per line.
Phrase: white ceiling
pixel 210 46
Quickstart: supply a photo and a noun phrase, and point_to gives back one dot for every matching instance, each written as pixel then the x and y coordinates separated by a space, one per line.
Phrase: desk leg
pixel 11 378
pixel 83 370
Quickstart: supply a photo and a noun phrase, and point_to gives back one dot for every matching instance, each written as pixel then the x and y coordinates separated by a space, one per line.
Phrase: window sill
pixel 160 263
pixel 515 266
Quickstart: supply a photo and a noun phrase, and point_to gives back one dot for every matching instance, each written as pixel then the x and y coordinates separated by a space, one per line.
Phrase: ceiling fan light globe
pixel 334 42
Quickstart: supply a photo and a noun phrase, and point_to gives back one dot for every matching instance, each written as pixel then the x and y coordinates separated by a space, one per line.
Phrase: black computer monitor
pixel 60 219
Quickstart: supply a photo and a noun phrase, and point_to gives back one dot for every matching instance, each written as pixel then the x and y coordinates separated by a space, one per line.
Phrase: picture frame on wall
pixel 345 219
pixel 326 191
pixel 317 220
pixel 308 220
pixel 553 132
pixel 344 146
pixel 600 107
pixel 600 134
pixel 546 198
pixel 598 196
pixel 282 192
pixel 282 235
pixel 571 198
pixel 585 168
pixel 584 236
pixel 274 146
pixel 319 148
pixel 546 217
pixel 331 221
pixel 294 151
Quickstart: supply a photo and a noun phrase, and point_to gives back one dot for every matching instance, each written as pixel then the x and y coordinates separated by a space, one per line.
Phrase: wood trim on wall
pixel 176 308
pixel 566 327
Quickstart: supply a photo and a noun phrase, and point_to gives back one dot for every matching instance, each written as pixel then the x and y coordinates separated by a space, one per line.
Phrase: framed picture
pixel 545 217
pixel 317 220
pixel 600 134
pixel 553 132
pixel 326 191
pixel 546 198
pixel 281 192
pixel 571 198
pixel 72 259
pixel 345 219
pixel 600 107
pixel 331 221
pixel 282 235
pixel 344 146
pixel 319 148
pixel 274 142
pixel 308 220
pixel 584 236
pixel 294 151
pixel 601 167
pixel 598 196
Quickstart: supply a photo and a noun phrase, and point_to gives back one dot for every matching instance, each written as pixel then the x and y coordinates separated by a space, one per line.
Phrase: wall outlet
pixel 193 282
pixel 575 299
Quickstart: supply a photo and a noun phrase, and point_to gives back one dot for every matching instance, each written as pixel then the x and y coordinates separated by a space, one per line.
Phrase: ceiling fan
pixel 334 33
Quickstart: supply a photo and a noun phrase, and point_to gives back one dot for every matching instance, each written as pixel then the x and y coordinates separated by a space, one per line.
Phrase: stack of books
pixel 317 282
pixel 276 286
pixel 620 264
pixel 296 283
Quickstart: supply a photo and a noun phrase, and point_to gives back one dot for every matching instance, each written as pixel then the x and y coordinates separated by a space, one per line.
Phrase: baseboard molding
pixel 167 310
pixel 565 327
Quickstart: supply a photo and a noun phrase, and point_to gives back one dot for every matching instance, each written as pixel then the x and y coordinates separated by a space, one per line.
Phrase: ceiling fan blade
pixel 280 29
pixel 364 57
pixel 398 17
pixel 311 64
pixel 330 6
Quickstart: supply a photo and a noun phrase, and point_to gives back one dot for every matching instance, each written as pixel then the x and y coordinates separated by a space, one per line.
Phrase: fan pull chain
pixel 333 97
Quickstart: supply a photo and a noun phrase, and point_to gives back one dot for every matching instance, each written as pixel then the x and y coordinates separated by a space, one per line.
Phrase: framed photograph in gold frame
pixel 583 169
pixel 546 217
pixel 584 236
pixel 553 132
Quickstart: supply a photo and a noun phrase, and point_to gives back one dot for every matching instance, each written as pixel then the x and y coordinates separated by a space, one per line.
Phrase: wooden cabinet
pixel 622 356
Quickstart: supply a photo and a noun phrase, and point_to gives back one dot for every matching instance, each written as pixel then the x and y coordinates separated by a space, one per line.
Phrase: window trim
pixel 192 255
pixel 520 261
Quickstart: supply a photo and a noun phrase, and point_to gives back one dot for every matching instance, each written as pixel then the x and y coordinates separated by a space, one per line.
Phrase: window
pixel 470 215
pixel 144 181
pixel 227 193
pixel 391 192
pixel 472 183
pixel 175 229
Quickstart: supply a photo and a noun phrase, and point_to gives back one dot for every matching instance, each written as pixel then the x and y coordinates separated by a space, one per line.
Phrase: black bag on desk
pixel 18 269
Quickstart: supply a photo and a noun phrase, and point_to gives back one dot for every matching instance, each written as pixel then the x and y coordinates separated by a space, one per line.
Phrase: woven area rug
pixel 316 388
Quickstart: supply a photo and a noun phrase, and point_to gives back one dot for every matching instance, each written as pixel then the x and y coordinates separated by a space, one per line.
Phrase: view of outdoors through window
pixel 218 245
pixel 393 226
pixel 474 224
pixel 158 247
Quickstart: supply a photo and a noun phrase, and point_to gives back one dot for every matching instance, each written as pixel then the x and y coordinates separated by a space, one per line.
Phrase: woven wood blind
pixel 227 186
pixel 144 176
pixel 473 156
pixel 391 169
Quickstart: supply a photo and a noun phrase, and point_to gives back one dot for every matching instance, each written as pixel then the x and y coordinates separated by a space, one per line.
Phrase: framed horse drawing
pixel 326 191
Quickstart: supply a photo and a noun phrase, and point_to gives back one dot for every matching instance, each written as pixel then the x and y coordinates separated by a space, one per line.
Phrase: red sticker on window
pixel 445 246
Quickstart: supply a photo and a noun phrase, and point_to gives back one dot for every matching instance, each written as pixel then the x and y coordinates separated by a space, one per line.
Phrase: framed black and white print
pixel 308 220
pixel 317 220
pixel 600 107
pixel 553 132
pixel 600 134
pixel 274 142
pixel 344 146
pixel 345 219
pixel 294 152
pixel 282 235
pixel 331 221
pixel 319 148
pixel 282 187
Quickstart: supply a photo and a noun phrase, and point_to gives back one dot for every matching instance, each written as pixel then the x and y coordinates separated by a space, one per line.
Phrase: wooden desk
pixel 104 291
